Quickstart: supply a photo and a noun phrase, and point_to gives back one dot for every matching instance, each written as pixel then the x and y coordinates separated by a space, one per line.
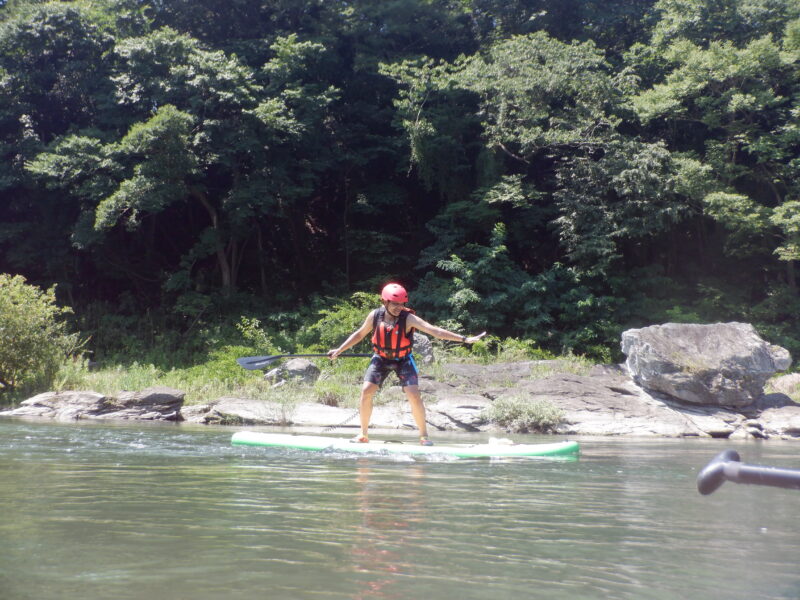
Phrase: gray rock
pixel 423 349
pixel 244 411
pixel 786 384
pixel 274 375
pixel 195 413
pixel 500 375
pixel 458 412
pixel 298 370
pixel 606 405
pixel 777 415
pixel 717 422
pixel 152 404
pixel 724 364
pixel 61 406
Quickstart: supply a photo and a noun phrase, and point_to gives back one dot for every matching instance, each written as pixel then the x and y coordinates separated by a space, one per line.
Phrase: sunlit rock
pixel 724 364
pixel 151 404
pixel 298 370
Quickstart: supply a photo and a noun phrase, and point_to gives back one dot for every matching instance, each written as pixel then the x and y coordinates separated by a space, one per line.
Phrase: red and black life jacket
pixel 391 341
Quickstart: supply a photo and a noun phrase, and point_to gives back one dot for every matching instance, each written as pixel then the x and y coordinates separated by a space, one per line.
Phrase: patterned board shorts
pixel 379 369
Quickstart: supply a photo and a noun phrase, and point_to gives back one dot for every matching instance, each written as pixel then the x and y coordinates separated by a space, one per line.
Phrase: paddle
pixel 252 363
pixel 726 467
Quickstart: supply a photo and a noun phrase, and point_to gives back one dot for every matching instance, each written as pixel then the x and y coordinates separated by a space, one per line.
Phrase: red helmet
pixel 394 292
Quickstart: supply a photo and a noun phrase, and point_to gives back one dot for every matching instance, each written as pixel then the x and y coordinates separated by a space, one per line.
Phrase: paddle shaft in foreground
pixel 259 362
pixel 726 466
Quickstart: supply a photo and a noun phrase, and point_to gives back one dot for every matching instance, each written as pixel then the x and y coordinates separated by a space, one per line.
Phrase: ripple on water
pixel 98 511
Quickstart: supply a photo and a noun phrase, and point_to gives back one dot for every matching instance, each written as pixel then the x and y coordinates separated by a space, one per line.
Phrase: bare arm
pixel 417 323
pixel 355 337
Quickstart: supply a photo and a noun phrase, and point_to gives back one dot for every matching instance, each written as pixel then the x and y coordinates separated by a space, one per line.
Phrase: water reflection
pixel 390 517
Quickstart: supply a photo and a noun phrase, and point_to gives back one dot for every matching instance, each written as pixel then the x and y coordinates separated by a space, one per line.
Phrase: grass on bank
pixel 338 385
pixel 219 376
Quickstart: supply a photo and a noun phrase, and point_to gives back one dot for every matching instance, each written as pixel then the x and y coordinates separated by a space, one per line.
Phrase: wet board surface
pixel 321 443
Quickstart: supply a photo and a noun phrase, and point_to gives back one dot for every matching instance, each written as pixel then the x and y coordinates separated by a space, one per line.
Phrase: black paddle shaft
pixel 726 467
pixel 252 363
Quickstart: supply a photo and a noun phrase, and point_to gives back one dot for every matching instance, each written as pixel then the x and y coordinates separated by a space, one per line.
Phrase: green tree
pixel 529 163
pixel 53 77
pixel 537 94
pixel 212 143
pixel 34 340
pixel 619 200
pixel 611 24
pixel 541 108
pixel 706 21
pixel 743 103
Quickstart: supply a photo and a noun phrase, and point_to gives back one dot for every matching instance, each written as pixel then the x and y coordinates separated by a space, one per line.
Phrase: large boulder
pixel 724 364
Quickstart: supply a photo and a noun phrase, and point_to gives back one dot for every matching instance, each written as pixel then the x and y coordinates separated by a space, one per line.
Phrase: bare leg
pixel 417 408
pixel 365 412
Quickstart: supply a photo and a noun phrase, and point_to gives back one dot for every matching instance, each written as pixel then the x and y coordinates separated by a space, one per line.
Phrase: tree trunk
pixel 345 229
pixel 261 269
pixel 223 262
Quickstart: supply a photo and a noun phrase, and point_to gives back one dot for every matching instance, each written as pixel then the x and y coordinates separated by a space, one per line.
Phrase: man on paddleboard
pixel 392 326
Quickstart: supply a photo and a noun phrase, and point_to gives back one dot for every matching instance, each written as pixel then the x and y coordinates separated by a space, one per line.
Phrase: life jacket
pixel 391 341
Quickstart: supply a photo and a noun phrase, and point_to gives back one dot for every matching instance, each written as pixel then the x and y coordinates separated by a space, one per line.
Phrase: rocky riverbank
pixel 719 394
pixel 603 402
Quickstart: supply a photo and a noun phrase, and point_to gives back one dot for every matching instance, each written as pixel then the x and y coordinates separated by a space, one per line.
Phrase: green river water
pixel 91 512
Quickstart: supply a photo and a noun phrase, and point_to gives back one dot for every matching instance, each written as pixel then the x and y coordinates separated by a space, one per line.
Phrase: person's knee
pixel 368 390
pixel 412 393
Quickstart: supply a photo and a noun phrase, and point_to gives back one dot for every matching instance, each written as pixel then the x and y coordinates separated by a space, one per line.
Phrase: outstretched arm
pixel 355 337
pixel 417 323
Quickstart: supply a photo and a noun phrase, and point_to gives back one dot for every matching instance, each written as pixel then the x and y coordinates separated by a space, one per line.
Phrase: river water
pixel 99 512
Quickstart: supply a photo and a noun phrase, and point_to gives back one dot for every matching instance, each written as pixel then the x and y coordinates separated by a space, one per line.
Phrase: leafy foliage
pixel 34 339
pixel 548 171
pixel 537 92
pixel 337 320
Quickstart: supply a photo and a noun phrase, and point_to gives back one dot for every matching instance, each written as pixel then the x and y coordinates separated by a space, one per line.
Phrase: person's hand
pixel 474 338
pixel 332 354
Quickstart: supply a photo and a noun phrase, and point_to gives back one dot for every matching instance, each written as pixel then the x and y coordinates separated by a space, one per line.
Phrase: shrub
pixel 258 337
pixel 34 341
pixel 523 415
pixel 338 319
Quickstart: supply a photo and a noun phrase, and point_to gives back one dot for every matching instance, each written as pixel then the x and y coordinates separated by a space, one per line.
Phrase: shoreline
pixel 605 402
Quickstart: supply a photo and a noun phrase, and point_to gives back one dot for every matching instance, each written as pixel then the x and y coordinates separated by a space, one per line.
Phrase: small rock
pixel 299 370
pixel 423 348
pixel 786 384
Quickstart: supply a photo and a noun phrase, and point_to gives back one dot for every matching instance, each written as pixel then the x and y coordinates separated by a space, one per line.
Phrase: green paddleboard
pixel 320 443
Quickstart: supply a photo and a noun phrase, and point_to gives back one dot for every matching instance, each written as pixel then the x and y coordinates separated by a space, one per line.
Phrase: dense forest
pixel 554 170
